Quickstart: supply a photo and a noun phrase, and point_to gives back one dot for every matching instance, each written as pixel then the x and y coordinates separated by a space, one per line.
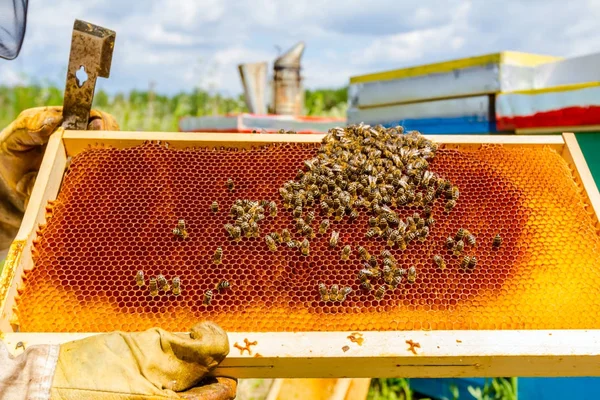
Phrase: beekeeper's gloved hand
pixel 22 145
pixel 154 364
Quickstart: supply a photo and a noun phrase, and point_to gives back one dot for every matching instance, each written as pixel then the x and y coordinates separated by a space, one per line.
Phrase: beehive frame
pixel 452 353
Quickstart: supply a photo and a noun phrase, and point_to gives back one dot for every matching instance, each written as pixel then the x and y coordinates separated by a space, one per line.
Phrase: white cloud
pixel 178 44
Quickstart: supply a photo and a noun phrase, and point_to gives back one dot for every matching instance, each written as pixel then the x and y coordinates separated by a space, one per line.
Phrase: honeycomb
pixel 117 208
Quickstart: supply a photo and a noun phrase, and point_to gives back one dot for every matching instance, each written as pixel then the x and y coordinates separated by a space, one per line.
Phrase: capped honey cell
pixel 117 207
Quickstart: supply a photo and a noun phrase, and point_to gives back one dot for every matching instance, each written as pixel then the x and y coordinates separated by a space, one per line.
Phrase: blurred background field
pixel 149 111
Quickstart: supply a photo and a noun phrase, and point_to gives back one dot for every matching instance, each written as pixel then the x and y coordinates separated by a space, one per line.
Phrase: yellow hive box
pixel 75 276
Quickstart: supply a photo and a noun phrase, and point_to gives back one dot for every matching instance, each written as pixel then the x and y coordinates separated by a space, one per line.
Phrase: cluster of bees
pixel 369 169
pixel 333 293
pixel 159 283
pixel 247 214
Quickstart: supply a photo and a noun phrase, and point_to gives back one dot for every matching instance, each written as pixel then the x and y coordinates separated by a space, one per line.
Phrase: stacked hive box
pixel 506 91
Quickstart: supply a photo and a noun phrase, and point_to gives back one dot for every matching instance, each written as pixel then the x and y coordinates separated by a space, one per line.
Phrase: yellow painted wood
pixel 560 88
pixel 19 258
pixel 386 354
pixel 507 57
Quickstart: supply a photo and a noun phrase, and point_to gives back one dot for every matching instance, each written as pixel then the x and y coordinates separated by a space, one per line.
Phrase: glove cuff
pixel 29 375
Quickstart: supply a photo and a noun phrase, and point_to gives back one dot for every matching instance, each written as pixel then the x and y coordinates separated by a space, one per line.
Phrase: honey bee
pixel 460 234
pixel 393 238
pixel 465 261
pixel 230 184
pixel 181 224
pixel 373 261
pixel 344 293
pixel 333 292
pixel 401 243
pixel 364 254
pixel 276 237
pixel 470 239
pixel 386 254
pixel 411 275
pixel 286 236
pixel 450 204
pixel 297 212
pixel 291 244
pixel 153 287
pixel 181 233
pixel 410 236
pixel 429 196
pixel 222 285
pixel 455 193
pixel 420 223
pixel 380 292
pixel 273 209
pixel 254 229
pixel 450 242
pixel 218 256
pixel 388 275
pixel 139 278
pixel 396 281
pixel 310 216
pixel 163 284
pixel 229 229
pixel 383 223
pixel 323 292
pixel 372 222
pixel 366 285
pixel 334 239
pixel 176 286
pixel 308 231
pixel 214 206
pixel 372 232
pixel 497 241
pixel 427 211
pixel 472 262
pixel 353 215
pixel 423 233
pixel 304 247
pixel 459 247
pixel 346 253
pixel 339 213
pixel 237 233
pixel 208 295
pixel 324 226
pixel 439 261
pixel 430 221
pixel 270 243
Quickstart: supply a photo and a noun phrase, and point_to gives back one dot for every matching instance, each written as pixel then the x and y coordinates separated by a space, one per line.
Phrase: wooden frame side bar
pixel 573 155
pixel 19 257
pixel 389 354
pixel 77 141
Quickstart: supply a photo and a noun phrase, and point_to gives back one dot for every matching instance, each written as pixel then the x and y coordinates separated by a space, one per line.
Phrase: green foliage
pixel 147 111
pixel 496 388
pixel 390 389
pixel 327 102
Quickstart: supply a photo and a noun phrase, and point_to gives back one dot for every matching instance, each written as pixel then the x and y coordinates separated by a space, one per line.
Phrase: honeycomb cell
pixel 117 208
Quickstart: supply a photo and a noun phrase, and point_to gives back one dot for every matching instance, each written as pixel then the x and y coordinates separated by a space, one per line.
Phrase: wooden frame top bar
pixel 77 141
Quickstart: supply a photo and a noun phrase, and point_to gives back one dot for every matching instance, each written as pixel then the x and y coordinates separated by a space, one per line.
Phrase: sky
pixel 184 44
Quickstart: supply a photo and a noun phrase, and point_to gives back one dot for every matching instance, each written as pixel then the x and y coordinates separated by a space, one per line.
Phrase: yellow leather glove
pixel 22 145
pixel 154 364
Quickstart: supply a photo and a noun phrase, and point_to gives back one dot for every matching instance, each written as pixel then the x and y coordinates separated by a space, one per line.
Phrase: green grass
pixel 399 389
pixel 145 111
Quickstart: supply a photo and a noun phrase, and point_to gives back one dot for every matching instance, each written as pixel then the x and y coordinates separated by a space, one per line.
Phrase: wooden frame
pixel 332 354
